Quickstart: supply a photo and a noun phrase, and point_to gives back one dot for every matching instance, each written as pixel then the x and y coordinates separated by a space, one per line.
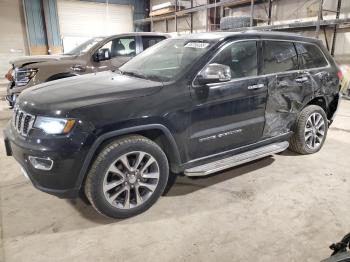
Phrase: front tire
pixel 127 177
pixel 310 131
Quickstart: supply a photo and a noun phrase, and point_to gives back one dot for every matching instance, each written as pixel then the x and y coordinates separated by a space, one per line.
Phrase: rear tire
pixel 127 177
pixel 310 131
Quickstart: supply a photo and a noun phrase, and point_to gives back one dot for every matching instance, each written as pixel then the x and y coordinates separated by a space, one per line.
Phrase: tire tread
pixel 296 142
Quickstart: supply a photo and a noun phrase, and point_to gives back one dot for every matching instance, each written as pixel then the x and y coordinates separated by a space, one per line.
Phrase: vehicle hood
pixel 25 60
pixel 67 94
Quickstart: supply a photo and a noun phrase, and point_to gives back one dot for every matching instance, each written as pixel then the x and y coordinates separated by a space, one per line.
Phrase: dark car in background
pixel 194 105
pixel 95 55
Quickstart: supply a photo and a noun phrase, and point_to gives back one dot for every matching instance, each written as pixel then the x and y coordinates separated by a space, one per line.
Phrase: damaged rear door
pixel 289 86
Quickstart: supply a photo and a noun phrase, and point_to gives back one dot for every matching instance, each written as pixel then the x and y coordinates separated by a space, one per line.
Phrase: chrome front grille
pixel 22 121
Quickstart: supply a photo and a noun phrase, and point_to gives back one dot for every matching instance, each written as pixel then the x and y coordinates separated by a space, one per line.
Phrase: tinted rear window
pixel 148 41
pixel 279 56
pixel 310 56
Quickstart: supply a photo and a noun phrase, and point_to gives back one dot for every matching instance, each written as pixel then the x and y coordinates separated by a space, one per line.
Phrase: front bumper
pixel 68 154
pixel 11 99
pixel 11 96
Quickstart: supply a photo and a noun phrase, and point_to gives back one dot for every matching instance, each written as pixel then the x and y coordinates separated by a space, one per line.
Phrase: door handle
pixel 258 86
pixel 301 79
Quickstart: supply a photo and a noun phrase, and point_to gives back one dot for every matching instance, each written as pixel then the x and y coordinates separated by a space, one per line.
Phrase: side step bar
pixel 236 160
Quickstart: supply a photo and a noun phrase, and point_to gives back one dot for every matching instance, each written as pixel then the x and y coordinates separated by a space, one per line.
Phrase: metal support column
pixel 207 18
pixel 317 33
pixel 336 28
pixel 191 23
pixel 251 12
pixel 270 12
pixel 151 23
pixel 176 16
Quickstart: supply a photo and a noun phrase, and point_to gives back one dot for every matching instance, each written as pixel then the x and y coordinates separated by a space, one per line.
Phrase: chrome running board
pixel 236 160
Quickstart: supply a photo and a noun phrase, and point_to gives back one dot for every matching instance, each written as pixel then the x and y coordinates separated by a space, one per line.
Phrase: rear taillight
pixel 340 75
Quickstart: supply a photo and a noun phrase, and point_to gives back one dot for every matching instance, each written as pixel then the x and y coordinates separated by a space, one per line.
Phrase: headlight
pixel 54 126
pixel 23 76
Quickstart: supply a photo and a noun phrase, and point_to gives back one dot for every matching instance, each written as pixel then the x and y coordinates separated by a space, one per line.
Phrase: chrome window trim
pixel 263 75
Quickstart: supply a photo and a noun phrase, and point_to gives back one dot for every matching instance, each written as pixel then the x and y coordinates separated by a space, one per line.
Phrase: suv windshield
pixel 167 60
pixel 84 47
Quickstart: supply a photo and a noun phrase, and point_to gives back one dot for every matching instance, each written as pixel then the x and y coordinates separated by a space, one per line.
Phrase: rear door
pixel 297 73
pixel 231 114
pixel 285 84
pixel 315 66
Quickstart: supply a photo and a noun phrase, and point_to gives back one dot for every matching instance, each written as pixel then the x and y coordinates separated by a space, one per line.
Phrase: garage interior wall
pixel 32 27
pixel 283 11
pixel 13 27
pixel 183 23
pixel 81 20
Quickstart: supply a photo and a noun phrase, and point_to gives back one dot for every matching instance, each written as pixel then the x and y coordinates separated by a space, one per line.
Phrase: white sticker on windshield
pixel 197 45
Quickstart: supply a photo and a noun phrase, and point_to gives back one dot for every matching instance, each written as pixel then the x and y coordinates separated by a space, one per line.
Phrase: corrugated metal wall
pixel 52 26
pixel 35 26
pixel 43 23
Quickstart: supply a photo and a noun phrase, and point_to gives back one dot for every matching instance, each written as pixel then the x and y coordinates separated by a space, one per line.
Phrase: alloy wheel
pixel 315 130
pixel 131 180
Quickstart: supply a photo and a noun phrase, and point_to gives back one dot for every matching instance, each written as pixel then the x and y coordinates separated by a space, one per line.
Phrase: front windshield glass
pixel 84 47
pixel 166 60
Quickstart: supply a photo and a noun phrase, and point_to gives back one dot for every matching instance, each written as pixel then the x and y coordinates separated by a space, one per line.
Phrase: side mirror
pixel 214 73
pixel 102 55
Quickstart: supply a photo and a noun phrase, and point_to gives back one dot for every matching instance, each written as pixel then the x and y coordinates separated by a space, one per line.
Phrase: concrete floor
pixel 282 208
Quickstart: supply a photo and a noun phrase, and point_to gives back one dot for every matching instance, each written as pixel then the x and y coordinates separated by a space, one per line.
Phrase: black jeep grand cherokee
pixel 196 105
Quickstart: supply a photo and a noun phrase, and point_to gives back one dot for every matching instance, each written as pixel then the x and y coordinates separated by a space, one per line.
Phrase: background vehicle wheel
pixel 310 131
pixel 127 177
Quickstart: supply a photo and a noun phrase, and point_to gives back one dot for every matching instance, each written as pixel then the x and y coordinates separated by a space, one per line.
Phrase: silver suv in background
pixel 94 55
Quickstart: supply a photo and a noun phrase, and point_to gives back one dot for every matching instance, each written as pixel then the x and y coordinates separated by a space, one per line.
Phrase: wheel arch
pixel 318 101
pixel 329 107
pixel 155 132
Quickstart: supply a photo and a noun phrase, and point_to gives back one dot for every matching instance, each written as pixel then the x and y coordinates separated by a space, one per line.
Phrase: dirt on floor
pixel 282 208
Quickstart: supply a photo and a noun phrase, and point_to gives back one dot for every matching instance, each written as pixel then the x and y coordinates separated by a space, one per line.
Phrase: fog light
pixel 41 163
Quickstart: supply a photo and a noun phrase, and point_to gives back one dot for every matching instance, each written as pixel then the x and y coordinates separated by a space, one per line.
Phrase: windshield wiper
pixel 141 75
pixel 135 74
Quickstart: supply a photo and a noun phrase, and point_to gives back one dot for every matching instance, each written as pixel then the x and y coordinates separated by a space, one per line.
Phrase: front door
pixel 122 50
pixel 230 114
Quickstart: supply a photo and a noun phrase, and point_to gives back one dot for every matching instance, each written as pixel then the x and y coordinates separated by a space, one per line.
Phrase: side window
pixel 124 46
pixel 310 56
pixel 241 57
pixel 107 45
pixel 279 56
pixel 148 41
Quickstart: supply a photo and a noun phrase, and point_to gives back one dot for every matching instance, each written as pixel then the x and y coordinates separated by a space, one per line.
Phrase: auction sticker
pixel 196 45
